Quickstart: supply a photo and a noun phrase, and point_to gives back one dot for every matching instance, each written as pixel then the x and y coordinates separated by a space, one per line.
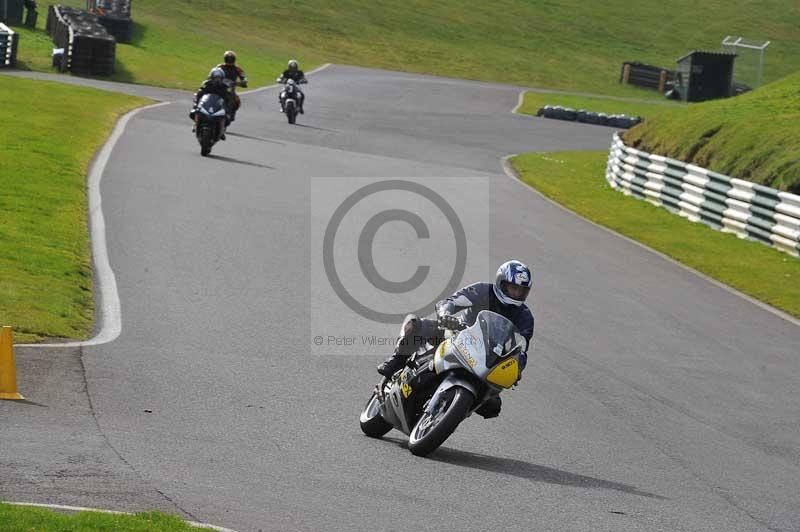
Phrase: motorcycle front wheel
pixel 372 423
pixel 206 141
pixel 435 427
pixel 291 111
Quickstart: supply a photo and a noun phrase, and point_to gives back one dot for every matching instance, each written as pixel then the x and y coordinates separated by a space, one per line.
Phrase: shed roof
pixel 703 52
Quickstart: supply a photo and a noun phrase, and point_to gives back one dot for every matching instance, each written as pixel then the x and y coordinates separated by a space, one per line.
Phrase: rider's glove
pixel 449 322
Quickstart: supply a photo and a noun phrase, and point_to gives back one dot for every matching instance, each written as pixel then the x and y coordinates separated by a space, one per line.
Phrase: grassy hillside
pixel 566 44
pixel 47 139
pixel 755 136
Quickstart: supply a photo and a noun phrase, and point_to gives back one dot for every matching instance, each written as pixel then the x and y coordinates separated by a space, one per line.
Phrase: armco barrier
pixel 725 203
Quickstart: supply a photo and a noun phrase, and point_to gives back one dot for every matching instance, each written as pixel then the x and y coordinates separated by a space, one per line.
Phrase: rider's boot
pixel 392 365
pixel 491 408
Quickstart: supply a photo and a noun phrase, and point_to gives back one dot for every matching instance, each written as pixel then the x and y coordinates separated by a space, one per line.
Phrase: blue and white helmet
pixel 513 283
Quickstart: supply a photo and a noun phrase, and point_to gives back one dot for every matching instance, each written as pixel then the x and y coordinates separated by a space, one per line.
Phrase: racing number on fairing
pixel 406 390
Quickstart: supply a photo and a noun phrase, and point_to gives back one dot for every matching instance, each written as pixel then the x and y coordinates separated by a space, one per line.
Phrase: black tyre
pixel 372 423
pixel 291 111
pixel 433 429
pixel 206 141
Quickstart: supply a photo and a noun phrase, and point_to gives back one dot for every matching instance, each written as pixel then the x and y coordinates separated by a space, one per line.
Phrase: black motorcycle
pixel 210 118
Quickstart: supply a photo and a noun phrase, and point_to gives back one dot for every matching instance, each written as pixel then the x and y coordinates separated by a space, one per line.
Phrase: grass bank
pixel 47 139
pixel 575 180
pixel 569 44
pixel 754 136
pixel 29 519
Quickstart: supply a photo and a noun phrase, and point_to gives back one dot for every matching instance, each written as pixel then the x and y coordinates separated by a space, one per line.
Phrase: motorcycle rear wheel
pixel 432 430
pixel 372 423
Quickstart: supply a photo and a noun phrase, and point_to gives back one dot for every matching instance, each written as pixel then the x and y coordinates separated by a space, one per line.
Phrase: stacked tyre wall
pixel 725 203
pixel 115 15
pixel 88 47
pixel 588 117
pixel 8 46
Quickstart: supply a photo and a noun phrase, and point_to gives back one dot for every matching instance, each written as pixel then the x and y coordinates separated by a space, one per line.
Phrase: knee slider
pixel 409 325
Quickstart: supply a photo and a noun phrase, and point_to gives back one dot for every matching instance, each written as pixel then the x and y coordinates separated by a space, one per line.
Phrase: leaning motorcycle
pixel 209 116
pixel 445 384
pixel 290 97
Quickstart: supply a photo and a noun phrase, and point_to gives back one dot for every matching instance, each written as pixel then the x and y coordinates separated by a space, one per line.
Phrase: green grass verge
pixel 575 180
pixel 30 519
pixel 47 139
pixel 173 45
pixel 569 44
pixel 533 101
pixel 754 136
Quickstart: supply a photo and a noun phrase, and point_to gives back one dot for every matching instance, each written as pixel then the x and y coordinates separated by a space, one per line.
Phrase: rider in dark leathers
pixel 506 297
pixel 215 84
pixel 294 73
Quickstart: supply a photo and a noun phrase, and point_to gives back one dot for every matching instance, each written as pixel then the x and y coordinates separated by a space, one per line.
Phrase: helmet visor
pixel 515 291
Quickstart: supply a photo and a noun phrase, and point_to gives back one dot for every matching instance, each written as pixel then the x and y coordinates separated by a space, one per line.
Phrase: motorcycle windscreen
pixel 500 336
pixel 211 103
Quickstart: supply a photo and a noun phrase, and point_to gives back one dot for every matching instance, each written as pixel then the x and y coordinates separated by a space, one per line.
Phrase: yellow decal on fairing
pixel 438 357
pixel 406 389
pixel 504 374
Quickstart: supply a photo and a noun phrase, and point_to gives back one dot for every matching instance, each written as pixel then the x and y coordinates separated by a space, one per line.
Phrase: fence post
pixel 662 81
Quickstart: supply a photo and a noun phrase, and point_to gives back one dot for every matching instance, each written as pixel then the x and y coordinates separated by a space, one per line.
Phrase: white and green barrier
pixel 725 203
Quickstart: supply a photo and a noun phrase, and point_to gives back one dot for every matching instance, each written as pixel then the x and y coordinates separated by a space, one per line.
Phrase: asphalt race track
pixel 653 399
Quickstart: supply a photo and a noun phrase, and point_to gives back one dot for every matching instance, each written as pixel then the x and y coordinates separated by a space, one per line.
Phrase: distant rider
pixel 215 84
pixel 294 73
pixel 506 297
pixel 234 74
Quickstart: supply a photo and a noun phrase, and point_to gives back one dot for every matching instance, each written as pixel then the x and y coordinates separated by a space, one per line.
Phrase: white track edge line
pixel 114 512
pixel 520 101
pixel 110 313
pixel 509 172
pixel 110 316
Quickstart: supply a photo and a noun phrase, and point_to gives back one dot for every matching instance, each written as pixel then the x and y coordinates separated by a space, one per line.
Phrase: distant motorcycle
pixel 443 385
pixel 210 117
pixel 290 99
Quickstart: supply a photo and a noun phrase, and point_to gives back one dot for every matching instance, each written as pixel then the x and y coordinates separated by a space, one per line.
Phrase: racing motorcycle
pixel 443 385
pixel 210 117
pixel 290 97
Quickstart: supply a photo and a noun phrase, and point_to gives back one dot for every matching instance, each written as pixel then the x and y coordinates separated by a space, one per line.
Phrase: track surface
pixel 653 399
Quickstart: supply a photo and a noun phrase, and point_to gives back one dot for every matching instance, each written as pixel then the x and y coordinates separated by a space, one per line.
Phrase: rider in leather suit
pixel 294 73
pixel 233 73
pixel 215 84
pixel 506 297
